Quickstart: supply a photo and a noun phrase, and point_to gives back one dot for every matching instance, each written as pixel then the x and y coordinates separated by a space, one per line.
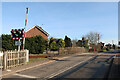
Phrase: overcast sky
pixel 73 19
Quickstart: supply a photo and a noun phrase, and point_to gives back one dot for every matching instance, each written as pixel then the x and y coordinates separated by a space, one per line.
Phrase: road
pixel 77 66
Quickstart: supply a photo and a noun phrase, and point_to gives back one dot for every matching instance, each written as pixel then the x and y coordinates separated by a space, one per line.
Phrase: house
pixel 36 30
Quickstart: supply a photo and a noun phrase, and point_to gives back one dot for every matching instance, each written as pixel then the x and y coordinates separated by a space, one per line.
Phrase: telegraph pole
pixel 25 28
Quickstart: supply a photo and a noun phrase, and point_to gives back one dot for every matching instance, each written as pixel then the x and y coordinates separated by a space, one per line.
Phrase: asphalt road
pixel 78 66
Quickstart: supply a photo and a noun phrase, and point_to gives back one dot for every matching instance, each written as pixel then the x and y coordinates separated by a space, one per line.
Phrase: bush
pixel 85 44
pixel 7 43
pixel 61 43
pixel 35 44
pixel 68 42
pixel 55 44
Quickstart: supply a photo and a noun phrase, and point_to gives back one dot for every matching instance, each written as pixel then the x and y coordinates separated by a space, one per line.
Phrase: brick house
pixel 36 30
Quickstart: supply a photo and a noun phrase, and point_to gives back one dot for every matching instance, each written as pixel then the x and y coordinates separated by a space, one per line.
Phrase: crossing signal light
pixel 13 32
pixel 17 33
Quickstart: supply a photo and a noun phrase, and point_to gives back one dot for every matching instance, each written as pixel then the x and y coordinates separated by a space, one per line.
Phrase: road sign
pixel 17 43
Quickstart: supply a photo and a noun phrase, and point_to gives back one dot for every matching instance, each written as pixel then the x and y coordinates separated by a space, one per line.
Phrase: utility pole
pixel 25 28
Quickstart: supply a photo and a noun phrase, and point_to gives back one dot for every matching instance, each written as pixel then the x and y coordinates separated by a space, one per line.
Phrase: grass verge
pixel 31 60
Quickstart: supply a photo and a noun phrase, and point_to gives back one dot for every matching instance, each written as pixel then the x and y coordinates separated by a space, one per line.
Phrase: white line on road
pixel 28 68
pixel 32 66
pixel 37 65
pixel 25 76
pixel 67 68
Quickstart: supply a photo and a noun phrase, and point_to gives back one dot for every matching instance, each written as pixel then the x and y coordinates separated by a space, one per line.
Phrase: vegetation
pixel 68 42
pixel 93 37
pixel 82 43
pixel 31 60
pixel 55 44
pixel 34 44
pixel 74 41
pixel 7 43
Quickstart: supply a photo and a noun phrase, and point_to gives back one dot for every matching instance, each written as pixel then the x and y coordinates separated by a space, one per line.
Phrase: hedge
pixel 35 44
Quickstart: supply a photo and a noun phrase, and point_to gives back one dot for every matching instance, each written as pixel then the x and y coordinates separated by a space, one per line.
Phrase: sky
pixel 73 19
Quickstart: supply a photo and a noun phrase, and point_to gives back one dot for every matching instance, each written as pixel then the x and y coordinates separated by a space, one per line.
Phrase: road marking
pixel 8 70
pixel 28 68
pixel 38 65
pixel 26 76
pixel 33 66
pixel 67 68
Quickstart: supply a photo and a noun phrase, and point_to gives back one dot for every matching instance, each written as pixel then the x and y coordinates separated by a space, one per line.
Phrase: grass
pixel 104 50
pixel 112 49
pixel 31 60
pixel 37 54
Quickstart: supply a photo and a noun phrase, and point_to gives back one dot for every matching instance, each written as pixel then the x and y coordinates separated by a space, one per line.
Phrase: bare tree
pixel 93 37
pixel 74 41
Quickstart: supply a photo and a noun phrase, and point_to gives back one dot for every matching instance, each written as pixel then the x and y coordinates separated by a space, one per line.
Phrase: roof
pixel 39 28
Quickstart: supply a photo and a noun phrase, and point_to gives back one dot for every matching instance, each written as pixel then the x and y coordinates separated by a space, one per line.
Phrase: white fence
pixel 1 57
pixel 14 58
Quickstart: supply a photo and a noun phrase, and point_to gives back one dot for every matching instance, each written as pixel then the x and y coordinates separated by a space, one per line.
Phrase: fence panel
pixel 1 66
pixel 14 58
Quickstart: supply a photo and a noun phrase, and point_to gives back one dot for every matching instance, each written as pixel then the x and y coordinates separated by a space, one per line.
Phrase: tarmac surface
pixel 80 66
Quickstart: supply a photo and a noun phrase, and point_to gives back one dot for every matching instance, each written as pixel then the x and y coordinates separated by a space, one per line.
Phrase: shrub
pixel 55 44
pixel 68 42
pixel 7 43
pixel 35 44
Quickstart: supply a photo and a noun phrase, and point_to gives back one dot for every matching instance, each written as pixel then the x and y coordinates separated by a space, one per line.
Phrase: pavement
pixel 96 68
pixel 114 72
pixel 32 65
pixel 47 69
pixel 28 66
pixel 85 65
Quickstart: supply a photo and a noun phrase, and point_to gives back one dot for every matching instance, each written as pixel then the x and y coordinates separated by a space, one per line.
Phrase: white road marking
pixel 33 66
pixel 28 68
pixel 67 68
pixel 8 70
pixel 37 65
pixel 25 76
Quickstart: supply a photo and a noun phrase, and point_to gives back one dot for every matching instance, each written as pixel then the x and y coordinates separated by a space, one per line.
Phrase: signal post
pixel 17 34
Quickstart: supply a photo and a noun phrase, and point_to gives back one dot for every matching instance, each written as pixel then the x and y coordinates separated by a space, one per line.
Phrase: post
pixel 25 28
pixel 1 56
pixel 19 46
pixel 18 57
pixel 27 55
pixel 5 60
